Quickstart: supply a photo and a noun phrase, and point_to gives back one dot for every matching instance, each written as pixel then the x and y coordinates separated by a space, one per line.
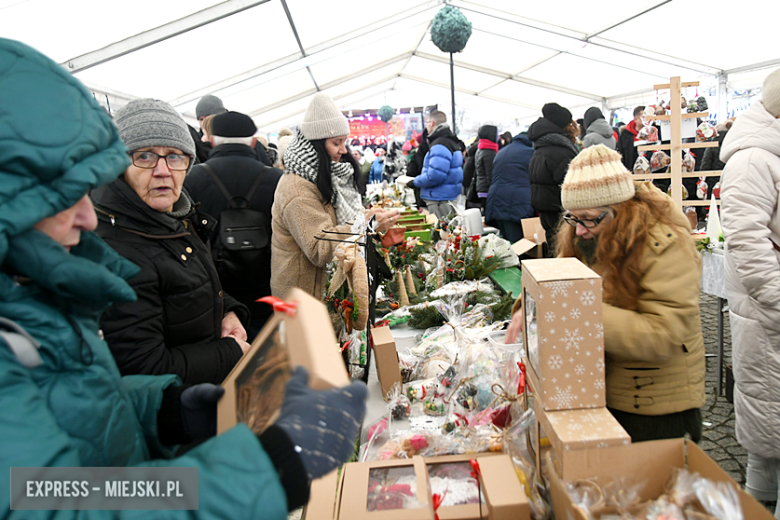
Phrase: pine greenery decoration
pixel 450 29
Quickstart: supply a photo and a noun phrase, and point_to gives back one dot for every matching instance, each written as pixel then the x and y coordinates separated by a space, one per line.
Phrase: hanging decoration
pixel 386 113
pixel 450 31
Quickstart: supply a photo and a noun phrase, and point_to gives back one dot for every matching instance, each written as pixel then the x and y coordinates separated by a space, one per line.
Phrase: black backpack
pixel 243 240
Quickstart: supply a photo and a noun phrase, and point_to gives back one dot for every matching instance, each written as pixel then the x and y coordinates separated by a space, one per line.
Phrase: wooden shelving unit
pixel 676 146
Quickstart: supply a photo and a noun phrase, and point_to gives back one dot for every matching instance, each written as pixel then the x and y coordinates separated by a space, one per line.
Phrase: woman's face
pixel 65 227
pixel 336 147
pixel 158 187
pixel 588 215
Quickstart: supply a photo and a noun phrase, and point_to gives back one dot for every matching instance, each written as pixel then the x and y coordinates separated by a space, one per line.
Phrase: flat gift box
pixel 563 332
pixel 254 389
pixel 347 497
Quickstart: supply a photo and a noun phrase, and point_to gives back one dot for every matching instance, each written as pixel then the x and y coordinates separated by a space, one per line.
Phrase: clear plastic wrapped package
pixel 659 159
pixel 702 189
pixel 398 404
pixel 689 162
pixel 641 166
pixel 705 131
pixel 648 133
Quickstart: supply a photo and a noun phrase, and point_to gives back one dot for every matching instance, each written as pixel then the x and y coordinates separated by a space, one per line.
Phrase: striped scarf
pixel 301 159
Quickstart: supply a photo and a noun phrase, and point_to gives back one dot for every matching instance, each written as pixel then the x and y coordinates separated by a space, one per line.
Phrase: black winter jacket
pixel 415 166
pixel 484 158
pixel 237 166
pixel 175 325
pixel 553 151
pixel 469 166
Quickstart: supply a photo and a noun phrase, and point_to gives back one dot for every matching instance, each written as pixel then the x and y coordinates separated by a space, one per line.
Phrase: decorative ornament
pixel 385 113
pixel 352 269
pixel 411 289
pixel 450 30
pixel 403 298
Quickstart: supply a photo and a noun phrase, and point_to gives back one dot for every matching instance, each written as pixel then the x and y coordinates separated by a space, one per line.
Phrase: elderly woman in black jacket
pixel 182 323
pixel 553 135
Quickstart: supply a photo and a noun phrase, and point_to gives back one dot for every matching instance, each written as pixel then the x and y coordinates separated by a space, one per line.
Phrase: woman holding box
pixel 639 242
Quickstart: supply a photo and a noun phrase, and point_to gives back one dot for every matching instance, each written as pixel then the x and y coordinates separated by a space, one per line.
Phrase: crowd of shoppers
pixel 116 276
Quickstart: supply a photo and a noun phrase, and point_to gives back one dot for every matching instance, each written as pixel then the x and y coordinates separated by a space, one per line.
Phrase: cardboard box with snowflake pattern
pixel 563 332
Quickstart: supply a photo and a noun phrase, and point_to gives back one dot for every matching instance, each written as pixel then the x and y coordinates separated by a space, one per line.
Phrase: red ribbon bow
pixel 521 381
pixel 279 305
pixel 438 499
pixel 475 466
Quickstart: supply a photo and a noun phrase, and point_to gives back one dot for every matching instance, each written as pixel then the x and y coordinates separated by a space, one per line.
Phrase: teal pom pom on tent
pixel 450 29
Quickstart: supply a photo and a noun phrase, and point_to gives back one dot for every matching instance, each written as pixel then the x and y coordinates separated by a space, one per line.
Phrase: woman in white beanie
pixel 638 241
pixel 750 191
pixel 319 191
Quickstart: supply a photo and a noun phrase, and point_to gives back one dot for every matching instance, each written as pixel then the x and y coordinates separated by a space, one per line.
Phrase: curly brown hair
pixel 572 131
pixel 622 242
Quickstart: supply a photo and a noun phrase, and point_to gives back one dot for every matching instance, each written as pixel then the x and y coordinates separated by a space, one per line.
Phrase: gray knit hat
pixel 208 106
pixel 770 93
pixel 151 122
pixel 323 119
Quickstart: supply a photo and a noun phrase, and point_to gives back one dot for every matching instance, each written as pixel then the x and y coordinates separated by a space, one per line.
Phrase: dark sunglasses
pixel 589 223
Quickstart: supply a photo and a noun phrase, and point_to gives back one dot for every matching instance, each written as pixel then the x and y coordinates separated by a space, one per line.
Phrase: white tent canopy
pixel 268 57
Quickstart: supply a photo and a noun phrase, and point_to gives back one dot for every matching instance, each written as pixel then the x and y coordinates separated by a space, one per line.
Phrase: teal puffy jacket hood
pixel 73 408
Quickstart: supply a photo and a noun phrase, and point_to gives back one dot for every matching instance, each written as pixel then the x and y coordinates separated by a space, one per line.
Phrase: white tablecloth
pixel 713 277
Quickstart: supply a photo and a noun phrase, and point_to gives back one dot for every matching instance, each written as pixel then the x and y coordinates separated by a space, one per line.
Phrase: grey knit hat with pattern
pixel 151 122
pixel 770 93
pixel 208 106
pixel 323 119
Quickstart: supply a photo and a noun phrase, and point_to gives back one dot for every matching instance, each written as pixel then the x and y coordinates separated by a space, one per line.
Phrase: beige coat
pixel 655 355
pixel 298 259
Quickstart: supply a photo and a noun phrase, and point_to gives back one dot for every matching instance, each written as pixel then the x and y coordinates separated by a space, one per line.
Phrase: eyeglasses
pixel 589 223
pixel 149 160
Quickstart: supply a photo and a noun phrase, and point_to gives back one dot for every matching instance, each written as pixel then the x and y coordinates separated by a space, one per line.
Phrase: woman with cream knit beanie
pixel 638 241
pixel 320 192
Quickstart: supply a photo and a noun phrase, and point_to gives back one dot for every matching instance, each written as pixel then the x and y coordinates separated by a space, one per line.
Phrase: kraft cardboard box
pixel 563 332
pixel 370 491
pixel 570 432
pixel 534 238
pixel 503 496
pixel 653 462
pixel 254 389
pixel 323 497
pixel 386 359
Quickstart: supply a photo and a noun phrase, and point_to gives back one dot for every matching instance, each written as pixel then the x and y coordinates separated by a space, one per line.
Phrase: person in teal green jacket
pixel 62 398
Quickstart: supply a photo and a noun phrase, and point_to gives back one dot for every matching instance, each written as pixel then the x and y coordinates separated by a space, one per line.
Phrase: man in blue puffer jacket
pixel 442 175
pixel 62 398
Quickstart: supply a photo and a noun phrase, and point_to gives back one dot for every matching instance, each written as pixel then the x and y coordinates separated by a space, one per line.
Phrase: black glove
pixel 322 424
pixel 410 184
pixel 199 410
